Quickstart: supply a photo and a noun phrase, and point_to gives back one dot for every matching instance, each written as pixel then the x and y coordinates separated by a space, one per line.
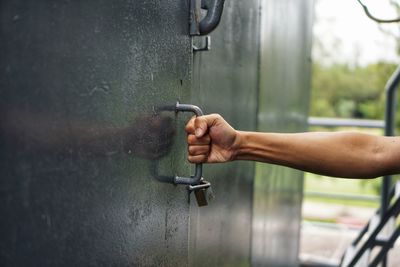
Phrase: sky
pixel 344 34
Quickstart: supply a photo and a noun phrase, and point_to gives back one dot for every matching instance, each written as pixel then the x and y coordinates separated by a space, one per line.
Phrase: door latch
pixel 204 25
pixel 206 46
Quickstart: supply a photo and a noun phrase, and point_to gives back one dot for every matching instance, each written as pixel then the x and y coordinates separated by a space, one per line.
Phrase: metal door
pixel 79 83
pixel 285 64
pixel 258 68
pixel 226 82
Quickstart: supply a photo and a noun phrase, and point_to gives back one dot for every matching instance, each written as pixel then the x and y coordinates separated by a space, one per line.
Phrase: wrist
pixel 238 145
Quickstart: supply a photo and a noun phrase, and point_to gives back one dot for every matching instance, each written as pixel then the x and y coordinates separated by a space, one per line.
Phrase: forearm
pixel 352 155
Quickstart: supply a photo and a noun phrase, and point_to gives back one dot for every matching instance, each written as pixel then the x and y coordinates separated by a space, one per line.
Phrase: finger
pixel 189 128
pixel 197 159
pixel 199 150
pixel 193 140
pixel 202 123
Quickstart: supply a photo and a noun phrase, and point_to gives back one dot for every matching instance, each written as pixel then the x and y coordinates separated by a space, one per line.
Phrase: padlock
pixel 203 193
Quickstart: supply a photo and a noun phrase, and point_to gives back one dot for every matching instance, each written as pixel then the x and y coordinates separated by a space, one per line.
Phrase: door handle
pixel 214 12
pixel 210 21
pixel 195 179
pixel 195 183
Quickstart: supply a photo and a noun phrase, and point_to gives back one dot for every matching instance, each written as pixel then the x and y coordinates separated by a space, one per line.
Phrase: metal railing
pixel 390 111
pixel 369 198
pixel 335 122
pixel 387 213
pixel 369 238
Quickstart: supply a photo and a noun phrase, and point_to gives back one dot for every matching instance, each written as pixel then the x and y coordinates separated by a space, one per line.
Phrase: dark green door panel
pixel 79 83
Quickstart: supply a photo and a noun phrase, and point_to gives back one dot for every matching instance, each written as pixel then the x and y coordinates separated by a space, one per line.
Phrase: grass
pixel 328 185
pixel 357 203
pixel 323 184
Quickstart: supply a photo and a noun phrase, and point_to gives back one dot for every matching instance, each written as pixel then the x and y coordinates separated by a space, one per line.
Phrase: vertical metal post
pixel 193 18
pixel 390 112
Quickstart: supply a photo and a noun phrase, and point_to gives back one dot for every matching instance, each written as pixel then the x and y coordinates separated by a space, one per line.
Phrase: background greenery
pixel 344 91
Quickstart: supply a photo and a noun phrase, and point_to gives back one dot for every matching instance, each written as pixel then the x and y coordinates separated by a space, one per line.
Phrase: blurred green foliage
pixel 344 91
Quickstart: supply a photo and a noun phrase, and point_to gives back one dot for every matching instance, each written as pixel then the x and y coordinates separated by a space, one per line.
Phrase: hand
pixel 211 139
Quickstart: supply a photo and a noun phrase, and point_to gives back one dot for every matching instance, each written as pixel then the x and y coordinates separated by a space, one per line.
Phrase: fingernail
pixel 198 132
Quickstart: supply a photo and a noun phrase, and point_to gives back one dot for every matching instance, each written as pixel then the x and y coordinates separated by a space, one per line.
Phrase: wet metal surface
pixel 283 107
pixel 225 81
pixel 79 82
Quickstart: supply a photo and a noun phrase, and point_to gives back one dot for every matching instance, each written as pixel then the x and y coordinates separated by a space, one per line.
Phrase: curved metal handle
pixel 210 21
pixel 214 12
pixel 196 178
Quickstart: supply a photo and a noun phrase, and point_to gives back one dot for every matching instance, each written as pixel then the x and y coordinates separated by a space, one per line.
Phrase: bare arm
pixel 341 154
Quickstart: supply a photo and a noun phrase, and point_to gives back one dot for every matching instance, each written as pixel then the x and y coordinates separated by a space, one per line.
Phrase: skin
pixel 341 154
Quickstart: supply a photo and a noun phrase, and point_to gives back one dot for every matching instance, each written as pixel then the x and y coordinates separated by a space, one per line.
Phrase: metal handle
pixel 196 178
pixel 210 21
pixel 213 17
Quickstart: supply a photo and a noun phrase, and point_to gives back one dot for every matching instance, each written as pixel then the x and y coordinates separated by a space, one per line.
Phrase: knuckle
pixel 193 159
pixel 189 128
pixel 197 159
pixel 216 115
pixel 191 150
pixel 204 149
pixel 190 139
pixel 205 140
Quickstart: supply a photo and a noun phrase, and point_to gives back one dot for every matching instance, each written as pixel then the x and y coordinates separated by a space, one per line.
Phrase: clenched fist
pixel 211 139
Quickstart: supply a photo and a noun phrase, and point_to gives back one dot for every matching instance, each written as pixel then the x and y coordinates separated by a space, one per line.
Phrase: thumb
pixel 200 126
pixel 203 123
